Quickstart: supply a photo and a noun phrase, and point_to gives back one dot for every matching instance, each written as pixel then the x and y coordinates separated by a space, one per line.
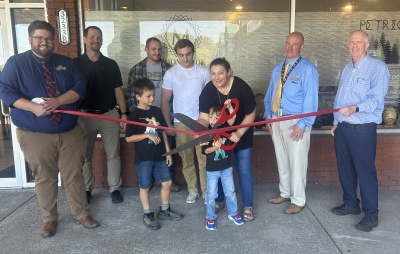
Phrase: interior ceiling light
pixel 239 7
pixel 348 7
pixel 124 7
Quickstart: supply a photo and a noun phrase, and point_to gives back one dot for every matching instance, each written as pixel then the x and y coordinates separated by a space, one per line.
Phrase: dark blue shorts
pixel 147 169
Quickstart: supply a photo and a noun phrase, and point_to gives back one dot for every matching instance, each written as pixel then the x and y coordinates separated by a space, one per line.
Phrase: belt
pixel 95 111
pixel 356 126
pixel 283 115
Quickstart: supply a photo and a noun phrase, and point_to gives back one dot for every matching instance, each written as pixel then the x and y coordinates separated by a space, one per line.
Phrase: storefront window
pixel 252 38
pixel 326 27
pixel 252 41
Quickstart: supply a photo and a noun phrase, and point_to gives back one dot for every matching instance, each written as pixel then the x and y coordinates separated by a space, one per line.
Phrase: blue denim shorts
pixel 158 169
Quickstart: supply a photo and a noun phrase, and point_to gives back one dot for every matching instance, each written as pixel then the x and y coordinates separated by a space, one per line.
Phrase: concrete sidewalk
pixel 314 230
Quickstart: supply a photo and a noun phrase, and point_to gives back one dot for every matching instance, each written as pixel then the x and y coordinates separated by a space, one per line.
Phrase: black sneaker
pixel 150 222
pixel 116 197
pixel 344 210
pixel 219 206
pixel 169 215
pixel 88 196
pixel 367 224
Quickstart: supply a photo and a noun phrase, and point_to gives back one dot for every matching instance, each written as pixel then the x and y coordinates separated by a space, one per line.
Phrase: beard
pixel 43 52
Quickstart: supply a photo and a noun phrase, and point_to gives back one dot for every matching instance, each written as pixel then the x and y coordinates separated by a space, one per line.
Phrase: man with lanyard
pixel 293 89
pixel 104 91
pixel 154 68
pixel 34 84
pixel 361 99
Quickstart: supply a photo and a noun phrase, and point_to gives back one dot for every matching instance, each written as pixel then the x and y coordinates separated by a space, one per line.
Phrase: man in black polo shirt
pixel 104 92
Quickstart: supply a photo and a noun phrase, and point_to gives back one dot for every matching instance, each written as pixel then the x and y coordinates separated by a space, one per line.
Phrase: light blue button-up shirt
pixel 299 93
pixel 365 85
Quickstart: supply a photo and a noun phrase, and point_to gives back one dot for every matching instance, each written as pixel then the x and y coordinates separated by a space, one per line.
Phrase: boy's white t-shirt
pixel 186 86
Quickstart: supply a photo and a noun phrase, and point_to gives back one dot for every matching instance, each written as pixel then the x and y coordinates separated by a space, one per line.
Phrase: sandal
pixel 248 215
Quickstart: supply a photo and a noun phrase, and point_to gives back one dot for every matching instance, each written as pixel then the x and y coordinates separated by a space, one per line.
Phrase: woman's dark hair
pixel 221 61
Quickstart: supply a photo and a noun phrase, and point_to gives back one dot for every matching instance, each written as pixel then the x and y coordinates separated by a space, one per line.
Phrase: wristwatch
pixel 357 109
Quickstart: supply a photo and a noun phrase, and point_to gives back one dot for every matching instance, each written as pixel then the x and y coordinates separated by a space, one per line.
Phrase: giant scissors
pixel 197 127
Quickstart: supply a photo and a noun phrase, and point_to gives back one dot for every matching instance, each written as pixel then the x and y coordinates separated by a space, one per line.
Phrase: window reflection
pixel 326 37
pixel 252 42
pixel 252 39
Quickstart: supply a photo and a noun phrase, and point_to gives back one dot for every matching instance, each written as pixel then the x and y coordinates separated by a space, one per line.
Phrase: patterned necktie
pixel 51 90
pixel 278 93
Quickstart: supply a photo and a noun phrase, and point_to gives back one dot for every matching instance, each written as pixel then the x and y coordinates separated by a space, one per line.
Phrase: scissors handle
pixel 228 136
pixel 224 117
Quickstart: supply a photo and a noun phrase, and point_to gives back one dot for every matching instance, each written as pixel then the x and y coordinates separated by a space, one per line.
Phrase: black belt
pixel 356 126
pixel 95 111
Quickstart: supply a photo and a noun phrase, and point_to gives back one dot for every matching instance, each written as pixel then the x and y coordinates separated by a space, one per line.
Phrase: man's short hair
pixel 365 34
pixel 85 33
pixel 141 85
pixel 152 39
pixel 183 43
pixel 39 24
pixel 298 34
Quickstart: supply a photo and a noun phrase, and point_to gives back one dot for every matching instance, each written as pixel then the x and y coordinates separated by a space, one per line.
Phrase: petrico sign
pixel 63 27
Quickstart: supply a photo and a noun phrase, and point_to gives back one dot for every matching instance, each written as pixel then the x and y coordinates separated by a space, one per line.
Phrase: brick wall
pixel 321 170
pixel 73 48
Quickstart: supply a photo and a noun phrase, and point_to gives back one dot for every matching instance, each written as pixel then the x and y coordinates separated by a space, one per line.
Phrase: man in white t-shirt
pixel 184 82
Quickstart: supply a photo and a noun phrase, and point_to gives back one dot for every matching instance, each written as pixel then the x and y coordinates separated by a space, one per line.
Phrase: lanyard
pixel 283 79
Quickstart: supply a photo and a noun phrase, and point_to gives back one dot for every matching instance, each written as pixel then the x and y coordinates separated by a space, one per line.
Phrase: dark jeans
pixel 355 147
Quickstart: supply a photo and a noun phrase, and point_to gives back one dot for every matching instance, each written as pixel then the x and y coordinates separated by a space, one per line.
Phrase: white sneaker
pixel 192 197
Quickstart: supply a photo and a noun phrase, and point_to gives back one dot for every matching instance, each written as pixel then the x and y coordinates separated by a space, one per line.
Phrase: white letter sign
pixel 63 26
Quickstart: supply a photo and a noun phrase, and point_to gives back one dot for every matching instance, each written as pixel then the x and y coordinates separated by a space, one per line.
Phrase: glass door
pixel 10 172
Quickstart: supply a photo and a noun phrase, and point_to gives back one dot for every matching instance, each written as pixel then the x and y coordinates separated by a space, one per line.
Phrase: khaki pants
pixel 109 131
pixel 292 160
pixel 188 167
pixel 49 154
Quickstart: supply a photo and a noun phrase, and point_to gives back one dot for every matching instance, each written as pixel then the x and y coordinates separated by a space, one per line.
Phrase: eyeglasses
pixel 41 39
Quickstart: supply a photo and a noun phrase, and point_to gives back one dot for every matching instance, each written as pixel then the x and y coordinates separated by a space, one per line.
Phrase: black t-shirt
pixel 247 103
pixel 219 159
pixel 146 150
pixel 102 77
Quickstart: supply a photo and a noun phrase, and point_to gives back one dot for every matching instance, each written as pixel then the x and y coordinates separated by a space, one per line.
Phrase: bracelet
pixel 124 113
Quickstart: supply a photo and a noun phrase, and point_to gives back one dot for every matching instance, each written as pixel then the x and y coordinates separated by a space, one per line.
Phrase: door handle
pixel 5 110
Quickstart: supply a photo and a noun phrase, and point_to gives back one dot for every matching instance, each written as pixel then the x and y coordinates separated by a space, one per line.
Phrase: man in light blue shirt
pixel 293 89
pixel 361 98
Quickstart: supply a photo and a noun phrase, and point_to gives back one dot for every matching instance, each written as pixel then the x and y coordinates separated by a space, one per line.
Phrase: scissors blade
pixel 190 123
pixel 193 143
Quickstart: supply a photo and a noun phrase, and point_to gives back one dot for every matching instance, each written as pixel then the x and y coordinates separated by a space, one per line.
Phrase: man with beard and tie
pixel 104 92
pixel 33 84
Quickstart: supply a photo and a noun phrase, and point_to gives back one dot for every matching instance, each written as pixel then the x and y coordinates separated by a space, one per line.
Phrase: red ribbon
pixel 284 118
